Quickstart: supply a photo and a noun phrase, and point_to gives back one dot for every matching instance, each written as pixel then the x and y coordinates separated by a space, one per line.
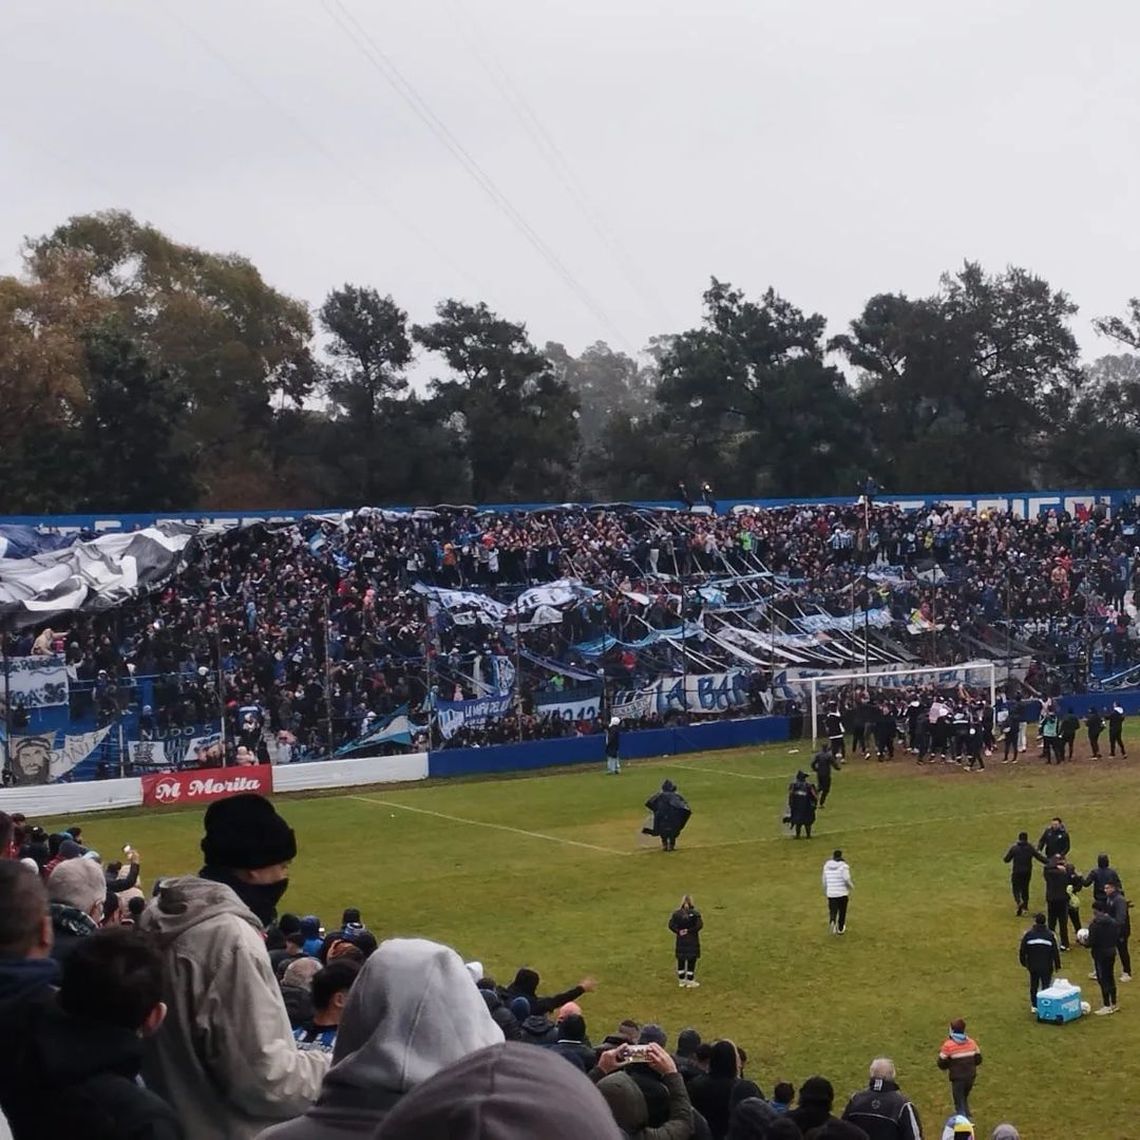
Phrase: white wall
pixel 106 795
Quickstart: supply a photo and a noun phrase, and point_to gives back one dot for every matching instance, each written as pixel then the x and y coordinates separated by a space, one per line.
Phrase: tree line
pixel 138 373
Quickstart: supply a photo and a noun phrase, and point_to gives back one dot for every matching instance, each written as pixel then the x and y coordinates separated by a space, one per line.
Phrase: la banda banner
pixel 704 694
pixel 207 784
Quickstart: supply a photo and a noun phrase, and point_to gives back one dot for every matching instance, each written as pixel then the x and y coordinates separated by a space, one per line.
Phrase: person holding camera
pixel 626 1100
pixel 686 923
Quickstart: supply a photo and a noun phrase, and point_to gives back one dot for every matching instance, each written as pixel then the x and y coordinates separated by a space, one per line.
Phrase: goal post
pixel 975 674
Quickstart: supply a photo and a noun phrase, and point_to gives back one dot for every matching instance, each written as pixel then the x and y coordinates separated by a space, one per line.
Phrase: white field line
pixel 492 826
pixel 721 772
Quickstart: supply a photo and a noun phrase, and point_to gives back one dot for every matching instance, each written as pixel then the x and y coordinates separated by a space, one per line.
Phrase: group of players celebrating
pixel 962 727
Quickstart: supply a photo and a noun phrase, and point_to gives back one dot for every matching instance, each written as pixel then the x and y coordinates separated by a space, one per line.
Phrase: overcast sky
pixel 829 149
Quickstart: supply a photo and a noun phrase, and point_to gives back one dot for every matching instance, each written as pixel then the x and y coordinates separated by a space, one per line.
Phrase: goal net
pixel 976 680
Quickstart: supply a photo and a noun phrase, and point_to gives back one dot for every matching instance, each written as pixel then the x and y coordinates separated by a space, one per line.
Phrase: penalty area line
pixel 491 826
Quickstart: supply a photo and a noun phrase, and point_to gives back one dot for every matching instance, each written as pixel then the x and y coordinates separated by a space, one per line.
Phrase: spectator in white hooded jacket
pixel 412 1011
pixel 837 886
pixel 225 1058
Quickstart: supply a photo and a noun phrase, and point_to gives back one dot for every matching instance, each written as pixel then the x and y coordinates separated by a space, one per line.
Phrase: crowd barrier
pixel 107 795
pixel 1083 703
pixel 588 749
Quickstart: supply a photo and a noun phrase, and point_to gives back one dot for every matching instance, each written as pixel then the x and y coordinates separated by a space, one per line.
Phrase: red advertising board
pixel 204 784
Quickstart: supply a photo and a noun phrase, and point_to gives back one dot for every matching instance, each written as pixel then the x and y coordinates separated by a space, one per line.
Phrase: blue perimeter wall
pixel 637 745
pixel 1027 504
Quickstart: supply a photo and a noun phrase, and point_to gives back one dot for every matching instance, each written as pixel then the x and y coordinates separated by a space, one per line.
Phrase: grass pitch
pixel 550 871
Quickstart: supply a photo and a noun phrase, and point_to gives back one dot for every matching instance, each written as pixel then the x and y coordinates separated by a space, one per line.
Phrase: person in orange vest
pixel 960 1057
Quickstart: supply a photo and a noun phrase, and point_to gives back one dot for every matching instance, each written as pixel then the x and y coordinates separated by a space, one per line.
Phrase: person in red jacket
pixel 960 1057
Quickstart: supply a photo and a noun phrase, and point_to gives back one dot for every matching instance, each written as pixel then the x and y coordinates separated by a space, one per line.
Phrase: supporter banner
pixel 634 706
pixel 559 593
pixel 845 623
pixel 699 693
pixel 25 541
pixel 543 615
pixel 148 754
pixel 205 785
pixel 463 600
pixel 91 576
pixel 585 709
pixel 453 715
pixel 75 750
pixel 36 682
pixel 705 693
pixel 29 757
pixel 196 745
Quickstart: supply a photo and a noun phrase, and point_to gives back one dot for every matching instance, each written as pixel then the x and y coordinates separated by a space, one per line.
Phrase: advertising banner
pixel 208 784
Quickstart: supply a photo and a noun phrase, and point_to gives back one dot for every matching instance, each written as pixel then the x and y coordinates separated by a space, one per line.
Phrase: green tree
pixel 518 421
pixel 1125 329
pixel 227 339
pixel 130 437
pixel 750 403
pixel 606 383
pixel 961 391
pixel 1099 446
pixel 370 349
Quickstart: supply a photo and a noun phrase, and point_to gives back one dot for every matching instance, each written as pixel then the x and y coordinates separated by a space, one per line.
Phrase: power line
pixel 318 144
pixel 385 67
pixel 561 167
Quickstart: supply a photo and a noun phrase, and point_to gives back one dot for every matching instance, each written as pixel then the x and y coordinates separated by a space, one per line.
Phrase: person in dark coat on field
pixel 1100 876
pixel 1057 897
pixel 1021 855
pixel 1040 955
pixel 801 804
pixel 1116 730
pixel 1118 907
pixel 670 814
pixel 526 985
pixel 613 746
pixel 686 923
pixel 1068 728
pixel 717 1092
pixel 1104 935
pixel 821 764
pixel 1054 839
pixel 1094 722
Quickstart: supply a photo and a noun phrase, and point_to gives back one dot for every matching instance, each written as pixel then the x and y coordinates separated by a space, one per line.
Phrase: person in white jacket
pixel 225 1058
pixel 837 886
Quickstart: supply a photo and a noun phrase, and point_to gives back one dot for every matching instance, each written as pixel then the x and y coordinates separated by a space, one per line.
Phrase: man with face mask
pixel 225 1059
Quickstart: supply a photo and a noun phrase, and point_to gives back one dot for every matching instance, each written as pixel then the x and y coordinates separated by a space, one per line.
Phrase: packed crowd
pixel 314 630
pixel 203 1011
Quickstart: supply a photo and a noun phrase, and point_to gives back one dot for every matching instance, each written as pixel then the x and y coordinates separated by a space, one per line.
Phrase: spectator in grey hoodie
pixel 506 1092
pixel 412 1011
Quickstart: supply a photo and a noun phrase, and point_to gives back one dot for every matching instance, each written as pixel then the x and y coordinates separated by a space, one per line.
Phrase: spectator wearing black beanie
pixel 247 1073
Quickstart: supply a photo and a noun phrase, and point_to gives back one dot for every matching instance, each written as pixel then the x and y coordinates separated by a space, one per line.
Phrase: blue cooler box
pixel 1061 1002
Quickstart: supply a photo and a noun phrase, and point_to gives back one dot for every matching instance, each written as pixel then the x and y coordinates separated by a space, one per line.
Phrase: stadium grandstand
pixel 193 644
